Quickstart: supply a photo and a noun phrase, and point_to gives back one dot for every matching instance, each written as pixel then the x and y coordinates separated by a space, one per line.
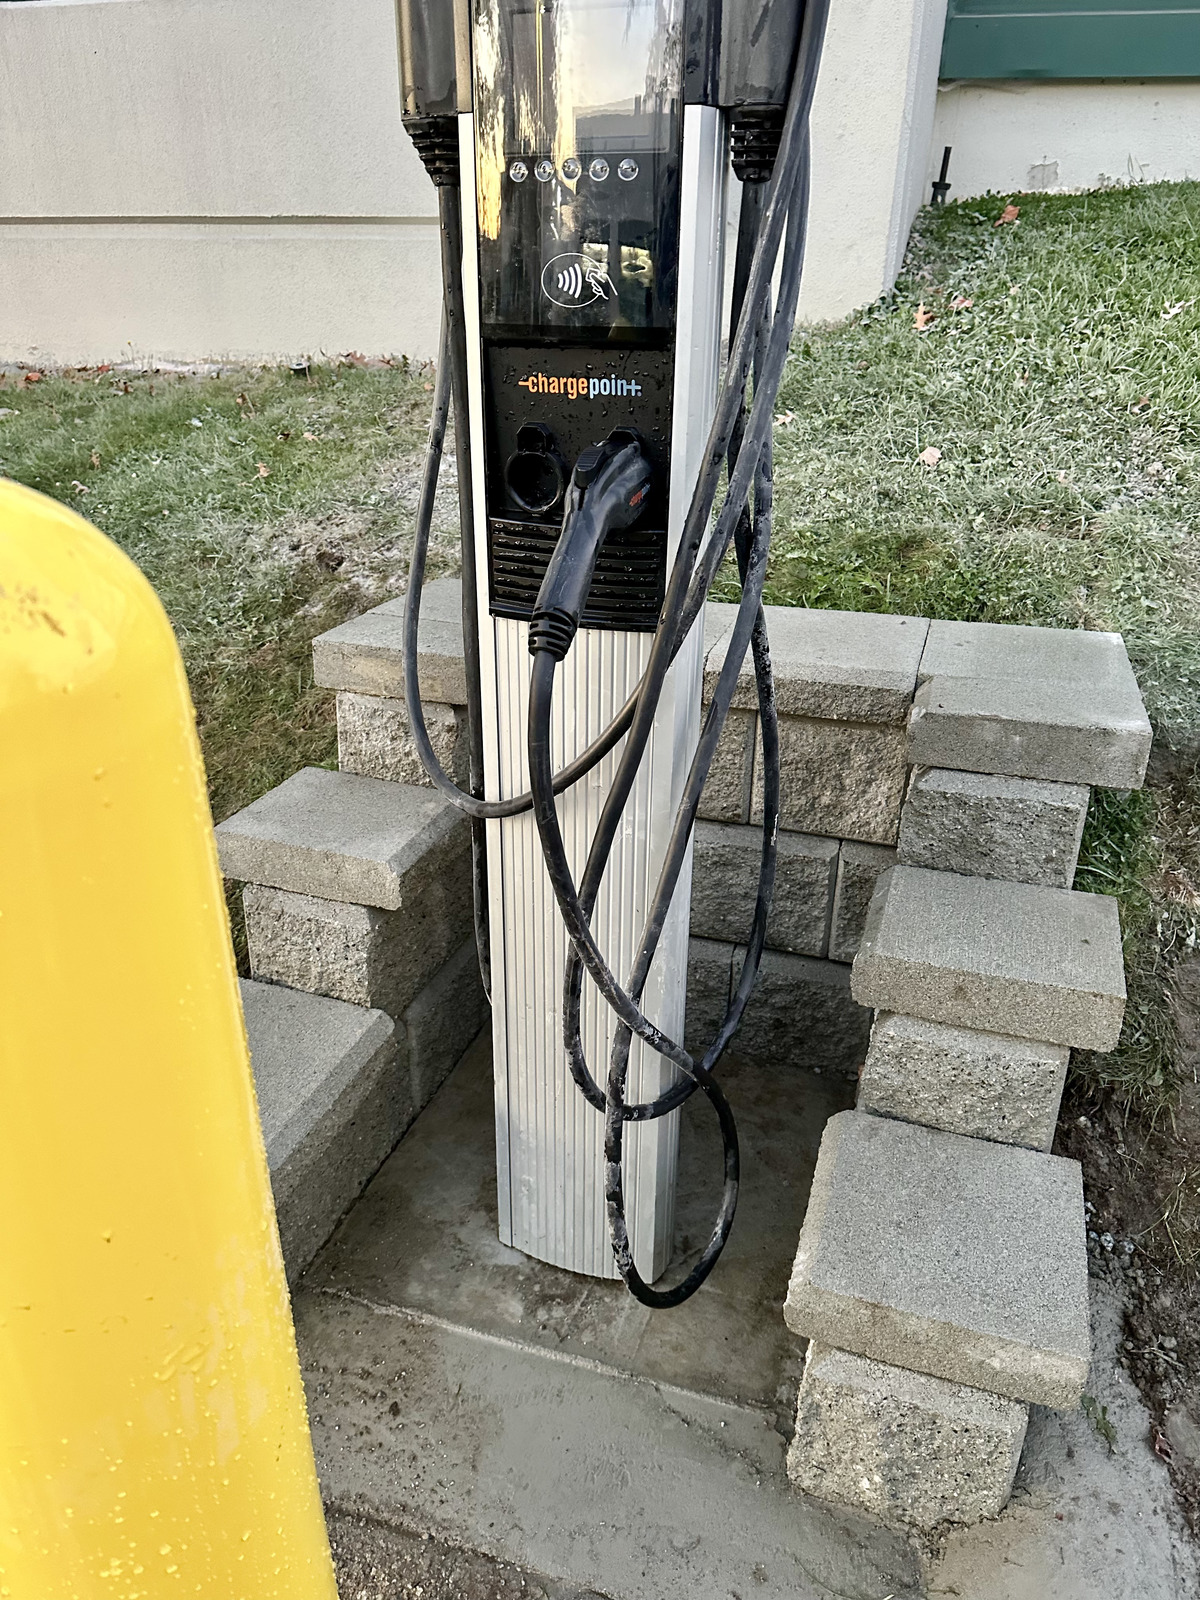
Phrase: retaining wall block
pixel 993 827
pixel 725 866
pixel 334 1096
pixel 443 1020
pixel 913 1450
pixel 841 779
pixel 955 1257
pixel 726 796
pixel 359 954
pixel 802 1014
pixel 984 1085
pixel 375 739
pixel 860 867
pixel 1011 958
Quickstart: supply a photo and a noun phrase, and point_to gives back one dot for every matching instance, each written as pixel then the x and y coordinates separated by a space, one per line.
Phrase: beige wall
pixel 191 179
pixel 198 179
pixel 1041 136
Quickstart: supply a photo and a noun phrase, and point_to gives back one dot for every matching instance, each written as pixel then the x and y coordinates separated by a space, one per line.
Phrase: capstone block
pixel 852 666
pixel 375 739
pixel 726 796
pixel 860 867
pixel 993 827
pixel 913 1450
pixel 983 1085
pixel 956 1257
pixel 333 1096
pixel 338 836
pixel 1012 958
pixel 802 1014
pixel 725 867
pixel 1053 703
pixel 359 954
pixel 443 1020
pixel 842 779
pixel 366 654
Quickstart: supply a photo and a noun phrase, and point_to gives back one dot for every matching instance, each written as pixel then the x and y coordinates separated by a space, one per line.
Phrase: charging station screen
pixel 579 123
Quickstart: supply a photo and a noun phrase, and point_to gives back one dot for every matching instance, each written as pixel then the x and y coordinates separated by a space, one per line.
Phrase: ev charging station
pixel 582 151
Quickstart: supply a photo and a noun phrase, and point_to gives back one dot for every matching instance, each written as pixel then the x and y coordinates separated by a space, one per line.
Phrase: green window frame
pixel 1071 39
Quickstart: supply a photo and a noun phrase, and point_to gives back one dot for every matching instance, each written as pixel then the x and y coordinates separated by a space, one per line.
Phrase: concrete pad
pixel 366 654
pixel 982 1085
pixel 852 666
pixel 333 1097
pixel 359 953
pixel 802 1014
pixel 860 866
pixel 913 1450
pixel 458 1387
pixel 955 1257
pixel 841 779
pixel 424 1239
pixel 725 863
pixel 1055 703
pixel 375 740
pixel 1084 1523
pixel 1009 958
pixel 623 1487
pixel 993 827
pixel 337 836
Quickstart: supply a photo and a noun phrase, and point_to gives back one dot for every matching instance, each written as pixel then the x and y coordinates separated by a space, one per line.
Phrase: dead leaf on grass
pixel 311 437
pixel 1168 311
pixel 930 456
pixel 1009 214
pixel 961 302
pixel 33 377
pixel 922 317
pixel 262 470
pixel 79 488
pixel 94 458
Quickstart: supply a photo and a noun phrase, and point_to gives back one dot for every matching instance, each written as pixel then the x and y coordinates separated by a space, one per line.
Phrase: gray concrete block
pixel 983 1085
pixel 341 837
pixel 956 1257
pixel 725 865
pixel 1052 703
pixel 443 1020
pixel 912 1450
pixel 726 796
pixel 993 827
pixel 802 1014
pixel 710 963
pixel 359 954
pixel 333 1096
pixel 365 655
pixel 860 867
pixel 1011 958
pixel 375 739
pixel 842 779
pixel 852 666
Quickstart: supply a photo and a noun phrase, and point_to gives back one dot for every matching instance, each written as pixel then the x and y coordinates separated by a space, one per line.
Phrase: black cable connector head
pixel 608 490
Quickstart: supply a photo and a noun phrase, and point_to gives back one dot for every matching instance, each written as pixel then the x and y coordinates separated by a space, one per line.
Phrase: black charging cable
pixel 761 340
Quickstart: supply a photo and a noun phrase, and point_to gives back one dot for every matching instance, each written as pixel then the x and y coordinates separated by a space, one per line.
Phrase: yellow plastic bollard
pixel 153 1437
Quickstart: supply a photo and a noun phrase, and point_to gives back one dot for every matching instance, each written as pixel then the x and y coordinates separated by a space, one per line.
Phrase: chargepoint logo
pixel 580 388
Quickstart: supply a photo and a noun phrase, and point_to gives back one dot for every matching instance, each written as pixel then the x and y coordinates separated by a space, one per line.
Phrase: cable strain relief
pixel 754 137
pixel 436 142
pixel 552 630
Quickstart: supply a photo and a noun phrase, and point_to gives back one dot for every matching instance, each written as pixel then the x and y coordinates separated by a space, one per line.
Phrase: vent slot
pixel 627 586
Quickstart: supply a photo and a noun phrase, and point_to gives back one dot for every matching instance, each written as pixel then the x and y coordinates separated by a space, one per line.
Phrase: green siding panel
pixel 1071 39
